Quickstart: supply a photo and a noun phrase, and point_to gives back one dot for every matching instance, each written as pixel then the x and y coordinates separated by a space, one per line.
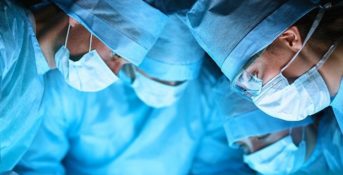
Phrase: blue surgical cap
pixel 176 56
pixel 245 120
pixel 242 119
pixel 231 32
pixel 129 27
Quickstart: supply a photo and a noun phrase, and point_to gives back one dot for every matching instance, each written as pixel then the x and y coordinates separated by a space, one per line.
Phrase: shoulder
pixel 14 26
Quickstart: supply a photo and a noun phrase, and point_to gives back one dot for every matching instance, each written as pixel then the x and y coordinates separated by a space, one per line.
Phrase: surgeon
pixel 175 59
pixel 285 56
pixel 283 147
pixel 88 58
pixel 125 41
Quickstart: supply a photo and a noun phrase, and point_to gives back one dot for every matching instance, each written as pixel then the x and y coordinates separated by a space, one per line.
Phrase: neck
pixel 332 69
pixel 49 33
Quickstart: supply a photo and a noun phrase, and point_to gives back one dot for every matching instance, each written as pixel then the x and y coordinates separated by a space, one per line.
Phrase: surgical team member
pixel 285 56
pixel 284 147
pixel 114 132
pixel 89 58
pixel 175 59
pixel 24 58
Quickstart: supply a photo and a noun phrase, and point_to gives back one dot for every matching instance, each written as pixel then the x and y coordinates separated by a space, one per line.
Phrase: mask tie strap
pixel 328 53
pixel 67 36
pixel 90 43
pixel 313 28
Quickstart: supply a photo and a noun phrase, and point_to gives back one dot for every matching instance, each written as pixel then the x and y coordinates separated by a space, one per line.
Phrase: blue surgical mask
pixel 89 74
pixel 156 94
pixel 282 157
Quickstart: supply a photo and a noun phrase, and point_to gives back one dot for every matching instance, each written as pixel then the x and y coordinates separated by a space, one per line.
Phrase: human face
pixel 78 44
pixel 276 59
pixel 271 61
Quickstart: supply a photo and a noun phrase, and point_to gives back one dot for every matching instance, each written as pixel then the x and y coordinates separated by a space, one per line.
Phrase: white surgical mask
pixel 156 94
pixel 307 95
pixel 89 74
pixel 282 157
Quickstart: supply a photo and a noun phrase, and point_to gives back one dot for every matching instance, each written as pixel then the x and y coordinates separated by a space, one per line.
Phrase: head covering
pixel 130 28
pixel 243 119
pixel 232 32
pixel 176 56
pixel 256 123
pixel 172 6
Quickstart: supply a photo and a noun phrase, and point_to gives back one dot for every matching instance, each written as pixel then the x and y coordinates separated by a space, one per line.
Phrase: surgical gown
pixel 327 156
pixel 337 106
pixel 21 85
pixel 113 132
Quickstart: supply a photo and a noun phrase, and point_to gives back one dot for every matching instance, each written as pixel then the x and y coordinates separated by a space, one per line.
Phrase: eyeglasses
pixel 246 83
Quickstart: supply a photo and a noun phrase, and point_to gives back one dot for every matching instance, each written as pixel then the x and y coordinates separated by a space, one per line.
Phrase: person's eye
pixel 243 147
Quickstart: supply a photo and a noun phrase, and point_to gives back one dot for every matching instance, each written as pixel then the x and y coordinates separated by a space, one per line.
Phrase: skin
pixel 281 51
pixel 256 143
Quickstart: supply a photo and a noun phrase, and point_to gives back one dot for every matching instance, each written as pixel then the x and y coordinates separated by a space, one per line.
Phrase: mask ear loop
pixel 67 36
pixel 313 28
pixel 90 43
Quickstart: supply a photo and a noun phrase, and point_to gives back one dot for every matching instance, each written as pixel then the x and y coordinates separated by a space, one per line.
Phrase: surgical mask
pixel 282 157
pixel 156 94
pixel 307 95
pixel 89 74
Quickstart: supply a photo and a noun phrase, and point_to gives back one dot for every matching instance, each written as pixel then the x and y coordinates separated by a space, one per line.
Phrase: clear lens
pixel 247 83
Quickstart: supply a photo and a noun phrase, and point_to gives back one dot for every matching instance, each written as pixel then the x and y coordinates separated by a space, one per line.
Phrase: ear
pixel 291 38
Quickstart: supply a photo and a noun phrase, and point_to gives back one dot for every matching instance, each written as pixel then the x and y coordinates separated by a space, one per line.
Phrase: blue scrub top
pixel 113 132
pixel 337 106
pixel 21 85
pixel 327 156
